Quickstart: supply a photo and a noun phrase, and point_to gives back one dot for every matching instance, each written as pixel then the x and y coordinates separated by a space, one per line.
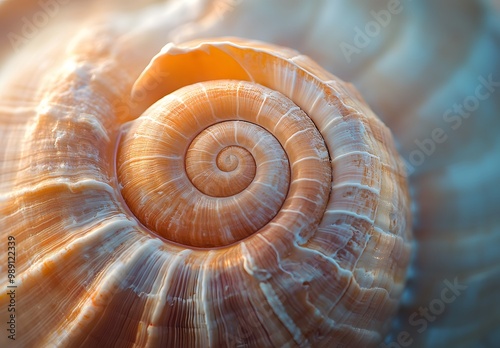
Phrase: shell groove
pixel 325 265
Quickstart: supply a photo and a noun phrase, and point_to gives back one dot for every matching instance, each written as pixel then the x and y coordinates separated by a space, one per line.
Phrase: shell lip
pixel 172 49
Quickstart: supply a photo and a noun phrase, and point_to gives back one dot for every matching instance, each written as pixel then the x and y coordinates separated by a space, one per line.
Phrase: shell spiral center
pixel 213 163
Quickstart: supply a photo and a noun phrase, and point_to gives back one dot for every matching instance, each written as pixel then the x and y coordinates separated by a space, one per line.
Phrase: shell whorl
pixel 284 162
pixel 254 201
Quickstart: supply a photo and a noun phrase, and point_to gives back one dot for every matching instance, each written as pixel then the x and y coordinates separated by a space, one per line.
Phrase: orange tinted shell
pixel 257 202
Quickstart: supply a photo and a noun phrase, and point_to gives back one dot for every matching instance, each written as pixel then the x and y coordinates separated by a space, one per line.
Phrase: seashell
pixel 233 194
pixel 428 58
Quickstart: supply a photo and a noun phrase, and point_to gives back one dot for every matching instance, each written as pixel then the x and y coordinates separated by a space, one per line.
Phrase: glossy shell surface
pixel 257 201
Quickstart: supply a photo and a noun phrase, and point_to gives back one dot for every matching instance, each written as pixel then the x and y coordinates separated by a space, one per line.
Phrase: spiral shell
pixel 256 201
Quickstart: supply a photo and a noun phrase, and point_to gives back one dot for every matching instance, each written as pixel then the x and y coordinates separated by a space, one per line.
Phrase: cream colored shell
pixel 318 258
